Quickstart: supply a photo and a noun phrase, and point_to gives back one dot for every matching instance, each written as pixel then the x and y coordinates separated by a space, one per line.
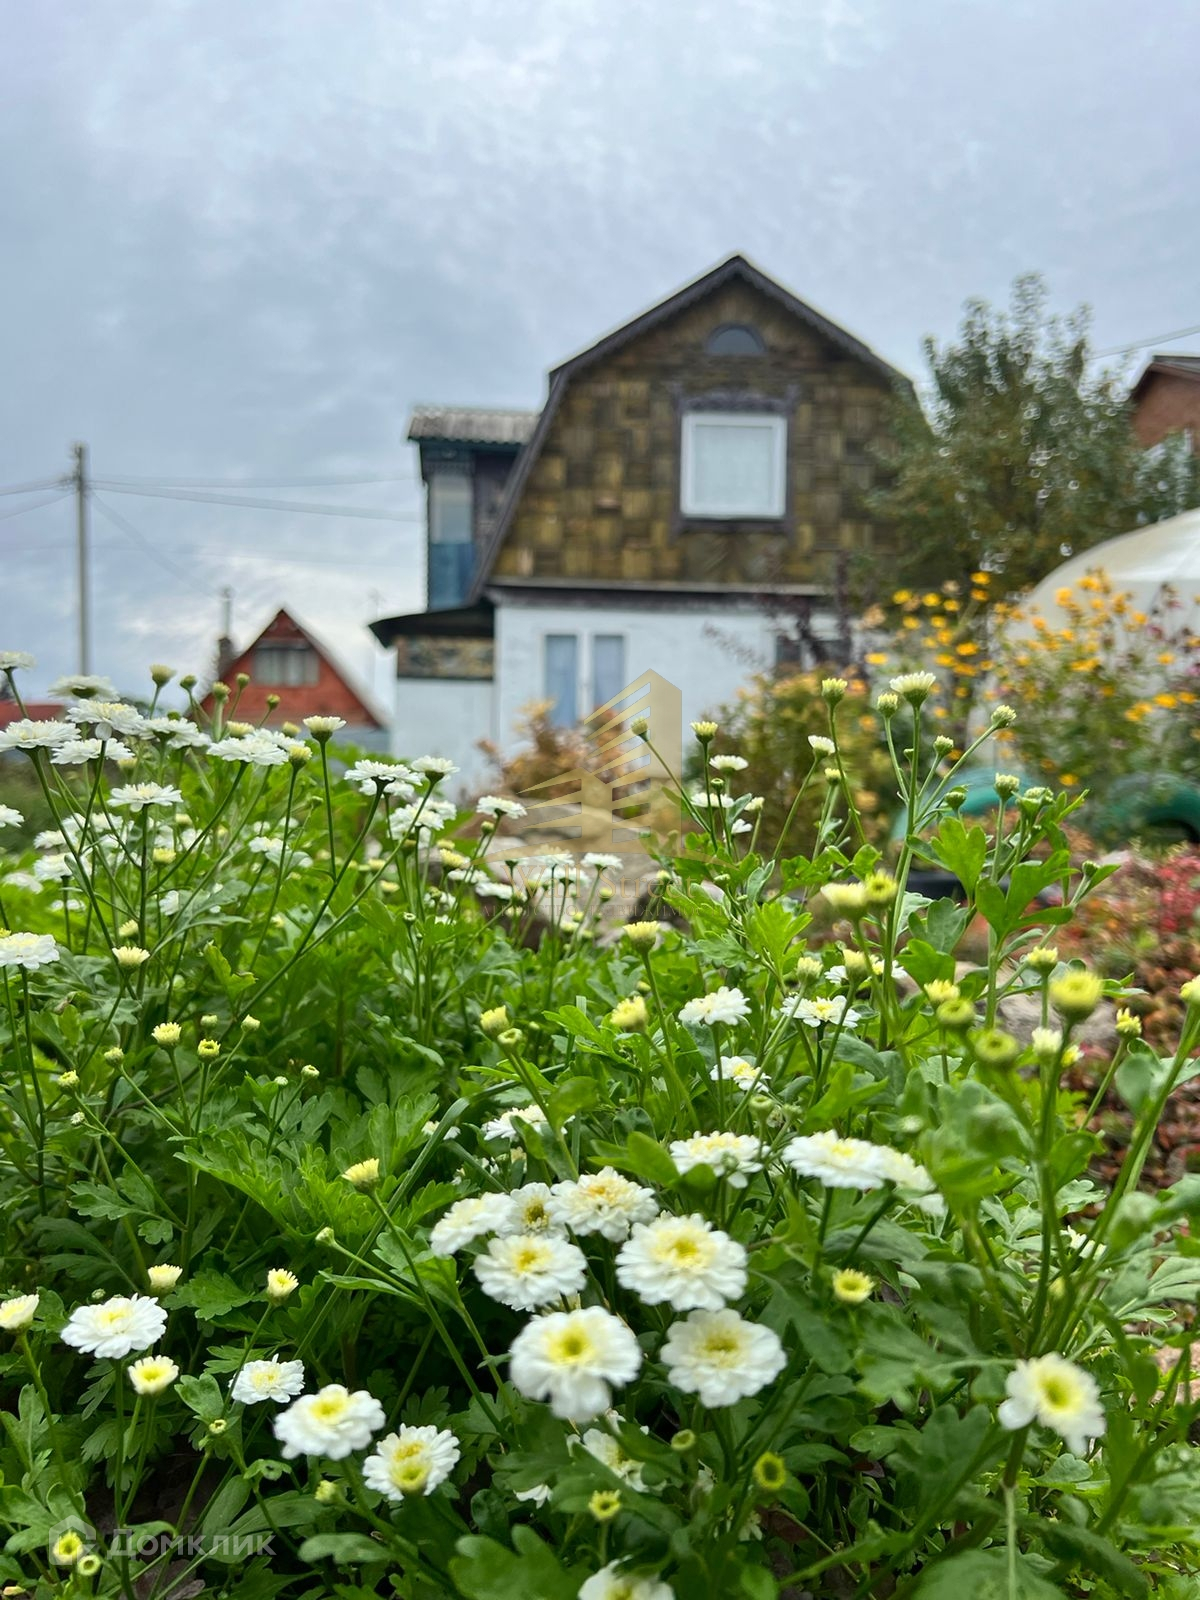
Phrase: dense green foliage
pixel 1023 453
pixel 880 1335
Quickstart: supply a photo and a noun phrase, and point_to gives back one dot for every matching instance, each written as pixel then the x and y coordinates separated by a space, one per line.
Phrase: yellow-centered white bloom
pixel 734 1156
pixel 116 1327
pixel 18 1313
pixel 28 950
pixel 572 1359
pixel 604 1202
pixel 163 1278
pixel 722 1005
pixel 465 1221
pixel 363 1174
pixel 281 1283
pixel 528 1270
pixel 152 1374
pixel 720 1357
pixel 613 1583
pixel 530 1209
pixel 333 1423
pixel 268 1380
pixel 1055 1392
pixel 411 1461
pixel 683 1261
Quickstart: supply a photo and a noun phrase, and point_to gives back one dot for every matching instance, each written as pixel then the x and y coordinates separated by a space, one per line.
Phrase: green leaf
pixel 353 1548
pixel 1083 1547
pixel 570 1097
pixel 212 1294
pixel 983 1575
pixel 642 1156
pixel 960 850
pixel 201 1395
pixel 485 1570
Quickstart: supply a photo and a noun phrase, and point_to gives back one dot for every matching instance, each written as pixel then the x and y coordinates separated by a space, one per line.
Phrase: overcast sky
pixel 241 240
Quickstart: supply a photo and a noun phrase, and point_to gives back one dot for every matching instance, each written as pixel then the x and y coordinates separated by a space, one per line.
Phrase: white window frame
pixel 689 504
pixel 585 665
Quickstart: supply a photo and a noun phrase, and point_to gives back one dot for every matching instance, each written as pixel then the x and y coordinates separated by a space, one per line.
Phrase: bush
pixel 353 1247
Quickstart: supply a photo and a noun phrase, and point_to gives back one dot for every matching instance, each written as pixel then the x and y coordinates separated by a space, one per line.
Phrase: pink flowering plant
pixel 384 1214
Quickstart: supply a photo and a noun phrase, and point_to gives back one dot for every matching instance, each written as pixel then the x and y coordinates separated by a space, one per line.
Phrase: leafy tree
pixel 1022 454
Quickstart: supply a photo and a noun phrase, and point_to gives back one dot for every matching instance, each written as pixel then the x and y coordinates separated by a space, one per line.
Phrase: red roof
pixel 39 710
pixel 330 693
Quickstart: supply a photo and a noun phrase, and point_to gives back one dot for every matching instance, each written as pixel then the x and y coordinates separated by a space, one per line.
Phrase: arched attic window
pixel 735 339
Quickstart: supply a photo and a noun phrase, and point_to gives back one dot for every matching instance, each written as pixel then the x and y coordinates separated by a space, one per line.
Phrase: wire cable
pixel 19 511
pixel 32 488
pixel 203 498
pixel 127 527
pixel 249 483
pixel 1142 344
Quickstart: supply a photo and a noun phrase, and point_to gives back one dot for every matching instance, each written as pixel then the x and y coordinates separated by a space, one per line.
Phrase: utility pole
pixel 79 480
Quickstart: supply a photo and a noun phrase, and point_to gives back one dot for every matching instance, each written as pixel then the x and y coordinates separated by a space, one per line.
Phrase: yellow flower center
pixel 570 1347
pixel 529 1257
pixel 725 1349
pixel 328 1408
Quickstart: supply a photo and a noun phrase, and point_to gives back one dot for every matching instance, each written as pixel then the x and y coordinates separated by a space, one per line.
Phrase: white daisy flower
pixel 465 1221
pixel 853 1163
pixel 734 1156
pixel 720 1357
pixel 819 1013
pixel 75 752
pixel 106 717
pixel 728 763
pixel 572 1359
pixel 28 733
pixel 324 725
pixel 10 817
pixel 258 749
pixel 684 1261
pixel 497 805
pixel 268 1380
pixel 84 686
pixel 615 1582
pixel 411 1461
pixel 116 1327
pixel 15 660
pixel 609 1451
pixel 18 1313
pixel 28 950
pixel 333 1423
pixel 601 863
pixel 1055 1392
pixel 152 1374
pixel 434 766
pixel 52 869
pixel 137 796
pixel 739 1071
pixel 504 1126
pixel 604 1202
pixel 820 745
pixel 530 1209
pixel 723 1005
pixel 528 1270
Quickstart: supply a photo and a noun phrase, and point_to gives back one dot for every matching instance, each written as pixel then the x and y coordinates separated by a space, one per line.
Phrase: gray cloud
pixel 246 238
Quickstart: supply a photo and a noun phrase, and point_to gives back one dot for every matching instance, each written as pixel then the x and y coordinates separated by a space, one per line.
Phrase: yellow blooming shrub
pixel 1105 689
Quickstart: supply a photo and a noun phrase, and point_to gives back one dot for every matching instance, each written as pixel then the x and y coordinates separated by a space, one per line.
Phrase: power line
pixel 32 488
pixel 128 528
pixel 1142 344
pixel 251 483
pixel 20 511
pixel 203 498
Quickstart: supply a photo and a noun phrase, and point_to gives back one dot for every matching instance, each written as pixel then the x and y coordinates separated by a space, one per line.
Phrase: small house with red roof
pixel 288 662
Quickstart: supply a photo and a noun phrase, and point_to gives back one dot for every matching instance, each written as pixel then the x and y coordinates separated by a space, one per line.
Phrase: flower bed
pixel 376 1222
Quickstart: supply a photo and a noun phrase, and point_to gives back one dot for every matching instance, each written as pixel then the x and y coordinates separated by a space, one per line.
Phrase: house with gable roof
pixel 286 663
pixel 686 501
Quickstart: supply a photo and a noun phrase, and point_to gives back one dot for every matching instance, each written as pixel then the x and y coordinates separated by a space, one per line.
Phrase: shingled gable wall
pixel 601 501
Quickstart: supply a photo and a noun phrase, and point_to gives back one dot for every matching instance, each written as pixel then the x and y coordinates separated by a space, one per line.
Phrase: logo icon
pixel 625 789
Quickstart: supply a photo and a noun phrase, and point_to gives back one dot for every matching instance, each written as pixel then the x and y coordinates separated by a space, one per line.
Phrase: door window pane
pixel 451 549
pixel 562 678
pixel 608 667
